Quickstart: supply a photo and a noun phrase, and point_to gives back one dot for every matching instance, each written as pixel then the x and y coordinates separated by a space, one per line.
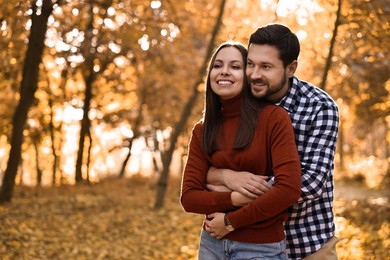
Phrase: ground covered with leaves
pixel 116 219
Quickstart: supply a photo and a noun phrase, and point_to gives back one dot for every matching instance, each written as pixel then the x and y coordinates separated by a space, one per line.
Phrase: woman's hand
pixel 246 183
pixel 215 225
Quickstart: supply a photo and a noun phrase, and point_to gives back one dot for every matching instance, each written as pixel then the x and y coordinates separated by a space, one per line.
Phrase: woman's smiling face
pixel 227 73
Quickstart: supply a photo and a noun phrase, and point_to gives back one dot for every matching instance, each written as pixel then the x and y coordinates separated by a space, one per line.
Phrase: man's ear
pixel 291 68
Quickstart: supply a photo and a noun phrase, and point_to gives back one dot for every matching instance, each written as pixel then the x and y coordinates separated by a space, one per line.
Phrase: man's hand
pixel 215 225
pixel 246 183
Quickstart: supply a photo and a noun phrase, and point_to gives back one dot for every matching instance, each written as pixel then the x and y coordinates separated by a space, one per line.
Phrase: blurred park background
pixel 105 92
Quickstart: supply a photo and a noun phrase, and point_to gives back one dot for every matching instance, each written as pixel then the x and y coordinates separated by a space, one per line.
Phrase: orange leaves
pixel 115 219
pixel 111 220
pixel 362 224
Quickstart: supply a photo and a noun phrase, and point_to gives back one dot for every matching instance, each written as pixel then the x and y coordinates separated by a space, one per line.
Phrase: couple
pixel 264 184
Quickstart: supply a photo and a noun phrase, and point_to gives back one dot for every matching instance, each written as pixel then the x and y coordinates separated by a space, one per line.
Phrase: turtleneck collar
pixel 231 106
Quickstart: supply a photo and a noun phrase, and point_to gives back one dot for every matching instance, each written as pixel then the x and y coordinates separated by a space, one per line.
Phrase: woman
pixel 241 133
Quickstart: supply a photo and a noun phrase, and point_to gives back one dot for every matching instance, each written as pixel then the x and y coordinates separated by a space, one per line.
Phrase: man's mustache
pixel 257 81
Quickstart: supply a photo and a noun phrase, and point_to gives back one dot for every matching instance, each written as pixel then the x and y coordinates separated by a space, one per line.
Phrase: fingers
pixel 260 180
pixel 254 190
pixel 259 183
pixel 213 234
pixel 249 193
pixel 210 217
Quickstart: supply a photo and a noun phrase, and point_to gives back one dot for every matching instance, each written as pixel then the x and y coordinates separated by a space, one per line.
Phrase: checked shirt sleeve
pixel 319 146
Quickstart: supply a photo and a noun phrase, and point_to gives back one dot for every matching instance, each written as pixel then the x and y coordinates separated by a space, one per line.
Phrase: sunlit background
pixel 145 57
pixel 108 151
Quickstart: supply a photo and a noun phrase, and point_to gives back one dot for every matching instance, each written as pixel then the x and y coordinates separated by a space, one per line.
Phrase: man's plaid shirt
pixel 315 119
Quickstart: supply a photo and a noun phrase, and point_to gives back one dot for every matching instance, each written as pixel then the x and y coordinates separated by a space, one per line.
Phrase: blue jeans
pixel 224 249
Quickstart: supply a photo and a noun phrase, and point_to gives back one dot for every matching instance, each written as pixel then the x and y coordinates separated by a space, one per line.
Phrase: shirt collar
pixel 289 101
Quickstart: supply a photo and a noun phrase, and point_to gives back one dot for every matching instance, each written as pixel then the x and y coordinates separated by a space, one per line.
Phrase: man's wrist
pixel 228 225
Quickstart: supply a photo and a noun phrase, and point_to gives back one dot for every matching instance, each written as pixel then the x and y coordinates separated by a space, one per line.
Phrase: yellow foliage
pixel 115 219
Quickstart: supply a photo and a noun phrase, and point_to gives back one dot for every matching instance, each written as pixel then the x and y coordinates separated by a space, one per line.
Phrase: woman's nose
pixel 225 71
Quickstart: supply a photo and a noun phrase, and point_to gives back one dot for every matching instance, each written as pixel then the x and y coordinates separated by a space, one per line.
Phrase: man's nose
pixel 256 73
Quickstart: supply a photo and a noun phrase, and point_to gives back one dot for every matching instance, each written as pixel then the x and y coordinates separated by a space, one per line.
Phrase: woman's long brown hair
pixel 213 117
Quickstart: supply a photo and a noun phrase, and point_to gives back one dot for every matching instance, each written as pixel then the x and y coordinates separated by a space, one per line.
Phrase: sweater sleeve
pixel 286 169
pixel 194 195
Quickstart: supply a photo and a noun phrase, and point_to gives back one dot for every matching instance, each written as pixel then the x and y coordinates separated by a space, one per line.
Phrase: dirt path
pixel 360 193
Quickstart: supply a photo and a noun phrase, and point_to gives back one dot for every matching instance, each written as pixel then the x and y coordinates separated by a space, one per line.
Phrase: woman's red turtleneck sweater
pixel 272 152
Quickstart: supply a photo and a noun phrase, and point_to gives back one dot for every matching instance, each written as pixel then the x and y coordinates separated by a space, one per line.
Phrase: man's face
pixel 266 74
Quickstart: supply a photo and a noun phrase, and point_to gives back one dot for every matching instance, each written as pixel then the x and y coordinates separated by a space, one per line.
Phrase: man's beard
pixel 270 89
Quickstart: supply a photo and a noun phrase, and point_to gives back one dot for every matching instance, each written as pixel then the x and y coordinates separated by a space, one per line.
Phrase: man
pixel 272 57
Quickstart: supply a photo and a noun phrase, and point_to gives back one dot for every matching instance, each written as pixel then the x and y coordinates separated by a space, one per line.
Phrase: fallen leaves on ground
pixel 116 219
pixel 363 223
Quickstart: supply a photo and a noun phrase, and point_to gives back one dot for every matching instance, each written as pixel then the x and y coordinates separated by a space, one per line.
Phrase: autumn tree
pixel 12 44
pixel 362 73
pixel 162 183
pixel 39 18
pixel 137 65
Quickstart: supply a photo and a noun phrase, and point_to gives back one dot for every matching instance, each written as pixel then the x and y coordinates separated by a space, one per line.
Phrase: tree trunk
pixel 136 132
pixel 85 122
pixel 57 157
pixel 127 159
pixel 27 90
pixel 89 152
pixel 331 47
pixel 154 150
pixel 89 76
pixel 39 171
pixel 163 180
pixel 52 138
